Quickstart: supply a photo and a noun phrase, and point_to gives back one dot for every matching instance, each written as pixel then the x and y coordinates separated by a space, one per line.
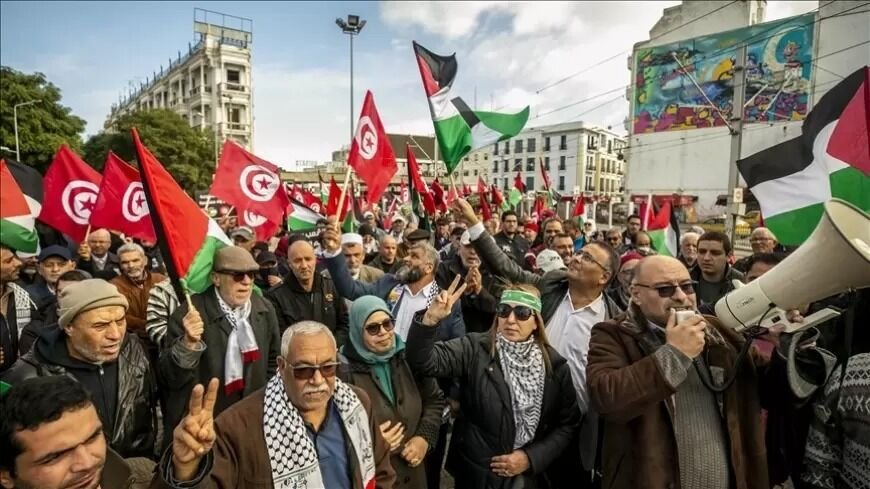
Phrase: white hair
pixel 688 235
pixel 129 248
pixel 759 230
pixel 303 328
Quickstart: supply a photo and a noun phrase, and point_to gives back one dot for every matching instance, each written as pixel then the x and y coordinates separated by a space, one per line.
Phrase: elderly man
pixel 482 288
pixel 95 257
pixel 91 345
pixel 309 294
pixel 354 253
pixel 613 237
pixel 305 429
pixel 53 262
pixel 714 276
pixel 135 283
pixel 573 302
pixel 397 228
pixel 50 313
pixel 19 315
pixel 387 260
pixel 664 428
pixel 244 237
pixel 689 249
pixel 229 333
pixel 509 240
pixel 762 241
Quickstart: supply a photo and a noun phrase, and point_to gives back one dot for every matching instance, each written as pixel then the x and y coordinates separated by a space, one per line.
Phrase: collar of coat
pixel 293 283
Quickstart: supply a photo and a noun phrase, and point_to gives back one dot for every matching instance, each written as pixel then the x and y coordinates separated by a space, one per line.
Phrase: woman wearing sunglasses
pixel 518 406
pixel 408 407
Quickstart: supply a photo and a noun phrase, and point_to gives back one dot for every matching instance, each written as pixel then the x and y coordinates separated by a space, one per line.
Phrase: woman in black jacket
pixel 408 407
pixel 518 406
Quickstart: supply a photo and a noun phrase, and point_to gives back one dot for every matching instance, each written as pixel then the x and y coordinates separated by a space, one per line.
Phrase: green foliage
pixel 43 126
pixel 187 153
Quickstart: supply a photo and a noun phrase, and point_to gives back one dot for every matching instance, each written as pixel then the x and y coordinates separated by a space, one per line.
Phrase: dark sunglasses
pixel 666 291
pixel 375 328
pixel 306 372
pixel 520 312
pixel 238 276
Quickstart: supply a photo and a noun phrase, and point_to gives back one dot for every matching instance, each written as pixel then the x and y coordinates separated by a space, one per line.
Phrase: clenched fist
pixel 84 251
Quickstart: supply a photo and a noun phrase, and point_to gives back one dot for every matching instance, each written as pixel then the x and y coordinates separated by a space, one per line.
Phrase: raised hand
pixel 462 207
pixel 331 237
pixel 84 251
pixel 686 336
pixel 473 280
pixel 194 436
pixel 193 328
pixel 393 434
pixel 442 306
pixel 415 450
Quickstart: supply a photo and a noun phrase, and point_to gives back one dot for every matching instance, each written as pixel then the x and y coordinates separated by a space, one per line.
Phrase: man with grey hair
pixel 308 428
pixel 354 252
pixel 762 241
pixel 689 249
pixel 135 283
pixel 411 289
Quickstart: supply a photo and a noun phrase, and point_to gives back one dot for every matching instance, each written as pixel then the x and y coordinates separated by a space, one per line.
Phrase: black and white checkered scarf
pixel 522 365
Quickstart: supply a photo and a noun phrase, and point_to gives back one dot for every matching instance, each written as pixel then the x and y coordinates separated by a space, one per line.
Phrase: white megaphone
pixel 835 258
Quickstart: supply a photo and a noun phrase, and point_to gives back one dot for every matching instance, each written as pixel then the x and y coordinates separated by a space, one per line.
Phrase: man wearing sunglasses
pixel 230 334
pixel 572 302
pixel 661 422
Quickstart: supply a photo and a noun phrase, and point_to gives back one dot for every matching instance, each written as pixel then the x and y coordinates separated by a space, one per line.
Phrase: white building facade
pixel 211 86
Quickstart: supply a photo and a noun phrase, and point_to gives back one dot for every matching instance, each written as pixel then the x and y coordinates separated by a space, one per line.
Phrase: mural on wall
pixel 689 84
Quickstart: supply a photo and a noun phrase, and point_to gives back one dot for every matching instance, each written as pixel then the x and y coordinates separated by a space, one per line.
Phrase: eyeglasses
pixel 666 291
pixel 375 328
pixel 522 313
pixel 760 240
pixel 613 239
pixel 307 371
pixel 237 276
pixel 587 257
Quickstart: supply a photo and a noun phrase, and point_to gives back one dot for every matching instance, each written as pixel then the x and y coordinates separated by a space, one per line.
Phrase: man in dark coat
pixel 92 346
pixel 482 291
pixel 230 334
pixel 19 316
pixel 95 257
pixel 54 261
pixel 510 240
pixel 387 259
pixel 714 276
pixel 308 294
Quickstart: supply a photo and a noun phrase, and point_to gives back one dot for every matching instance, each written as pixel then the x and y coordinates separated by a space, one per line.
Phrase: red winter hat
pixel 629 256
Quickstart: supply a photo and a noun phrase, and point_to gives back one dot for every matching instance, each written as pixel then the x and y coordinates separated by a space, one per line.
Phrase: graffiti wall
pixel 689 84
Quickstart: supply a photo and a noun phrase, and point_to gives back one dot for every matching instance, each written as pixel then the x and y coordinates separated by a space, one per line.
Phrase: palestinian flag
pixel 351 217
pixel 17 222
pixel 188 238
pixel 831 158
pixel 664 230
pixel 302 219
pixel 460 129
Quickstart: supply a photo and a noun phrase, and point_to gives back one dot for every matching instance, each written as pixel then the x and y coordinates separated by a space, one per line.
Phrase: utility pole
pixel 735 196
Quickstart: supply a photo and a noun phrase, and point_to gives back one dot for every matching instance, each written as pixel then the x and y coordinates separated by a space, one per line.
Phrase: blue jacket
pixel 450 327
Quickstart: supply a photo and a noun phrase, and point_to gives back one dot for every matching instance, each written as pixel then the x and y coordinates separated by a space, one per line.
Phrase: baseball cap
pixel 55 250
pixel 465 239
pixel 243 232
pixel 549 260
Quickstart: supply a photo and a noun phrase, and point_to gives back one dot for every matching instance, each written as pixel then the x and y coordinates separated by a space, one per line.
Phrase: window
pixel 505 165
pixel 561 182
pixel 530 145
pixel 593 143
pixel 233 76
pixel 588 184
pixel 464 174
pixel 547 143
pixel 518 146
pixel 590 163
pixel 601 184
pixel 518 164
pixel 495 166
pixel 507 147
pixel 506 180
pixel 563 142
pixel 530 183
pixel 561 162
pixel 475 172
pixel 610 146
pixel 547 163
pixel 530 164
pixel 485 156
pixel 495 149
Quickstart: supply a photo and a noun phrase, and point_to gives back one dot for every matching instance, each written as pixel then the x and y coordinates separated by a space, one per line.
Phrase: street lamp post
pixel 15 123
pixel 352 27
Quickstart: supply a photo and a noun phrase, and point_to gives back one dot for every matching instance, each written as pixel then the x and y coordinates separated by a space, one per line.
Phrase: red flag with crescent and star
pixel 71 188
pixel 262 227
pixel 121 204
pixel 371 154
pixel 249 182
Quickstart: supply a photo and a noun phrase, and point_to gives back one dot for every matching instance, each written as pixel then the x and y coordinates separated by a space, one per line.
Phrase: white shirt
pixel 568 332
pixel 99 262
pixel 408 305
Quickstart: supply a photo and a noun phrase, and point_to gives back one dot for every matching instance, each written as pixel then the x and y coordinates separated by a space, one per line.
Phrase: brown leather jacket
pixel 631 394
pixel 138 299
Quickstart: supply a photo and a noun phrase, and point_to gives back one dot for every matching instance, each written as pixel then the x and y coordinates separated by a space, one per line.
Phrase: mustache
pixel 309 389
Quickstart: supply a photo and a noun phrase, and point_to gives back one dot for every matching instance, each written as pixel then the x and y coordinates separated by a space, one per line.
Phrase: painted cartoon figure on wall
pixel 778 73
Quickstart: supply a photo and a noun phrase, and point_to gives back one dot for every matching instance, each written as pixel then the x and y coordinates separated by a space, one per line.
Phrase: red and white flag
pixel 263 227
pixel 371 154
pixel 334 197
pixel 121 203
pixel 249 182
pixel 71 188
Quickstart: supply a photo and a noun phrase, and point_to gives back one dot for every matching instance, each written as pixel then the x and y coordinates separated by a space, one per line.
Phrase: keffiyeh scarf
pixel 522 365
pixel 241 345
pixel 292 455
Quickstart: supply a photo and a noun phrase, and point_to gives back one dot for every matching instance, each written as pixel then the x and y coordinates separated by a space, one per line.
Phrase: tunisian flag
pixel 71 188
pixel 263 227
pixel 371 155
pixel 579 207
pixel 249 182
pixel 121 203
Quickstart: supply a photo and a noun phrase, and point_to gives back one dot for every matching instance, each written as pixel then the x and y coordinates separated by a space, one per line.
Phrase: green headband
pixel 521 298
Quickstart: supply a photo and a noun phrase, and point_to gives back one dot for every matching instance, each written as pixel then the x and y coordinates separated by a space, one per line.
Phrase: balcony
pixel 237 127
pixel 234 87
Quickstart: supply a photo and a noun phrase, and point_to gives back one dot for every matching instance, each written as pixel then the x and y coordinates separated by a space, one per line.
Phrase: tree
pixel 187 153
pixel 42 126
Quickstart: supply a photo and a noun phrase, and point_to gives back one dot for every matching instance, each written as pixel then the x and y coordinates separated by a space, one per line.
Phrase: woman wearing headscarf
pixel 518 407
pixel 408 407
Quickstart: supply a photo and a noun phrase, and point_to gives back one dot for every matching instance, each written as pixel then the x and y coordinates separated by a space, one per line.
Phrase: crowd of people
pixel 512 354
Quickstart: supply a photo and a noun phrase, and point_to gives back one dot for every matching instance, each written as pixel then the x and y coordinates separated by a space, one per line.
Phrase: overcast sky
pixel 508 54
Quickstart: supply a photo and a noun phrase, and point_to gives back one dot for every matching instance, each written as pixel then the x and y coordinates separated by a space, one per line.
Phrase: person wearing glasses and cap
pixel 519 408
pixel 663 426
pixel 306 428
pixel 409 407
pixel 230 334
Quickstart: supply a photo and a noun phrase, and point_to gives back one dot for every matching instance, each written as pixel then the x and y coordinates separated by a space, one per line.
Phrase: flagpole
pixel 343 194
pixel 649 204
pixel 88 233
